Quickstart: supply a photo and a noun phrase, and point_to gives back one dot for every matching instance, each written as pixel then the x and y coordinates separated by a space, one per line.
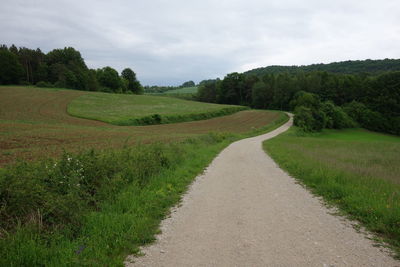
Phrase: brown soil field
pixel 34 124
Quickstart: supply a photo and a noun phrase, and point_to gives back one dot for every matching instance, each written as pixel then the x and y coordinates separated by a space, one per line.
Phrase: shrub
pixel 309 120
pixel 336 118
pixel 56 193
pixel 368 118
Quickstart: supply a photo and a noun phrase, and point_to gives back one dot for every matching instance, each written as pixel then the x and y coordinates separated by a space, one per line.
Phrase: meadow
pixel 91 193
pixel 34 124
pixel 184 90
pixel 356 170
pixel 121 109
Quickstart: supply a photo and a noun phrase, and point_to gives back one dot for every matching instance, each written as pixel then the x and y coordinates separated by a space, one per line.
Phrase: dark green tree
pixel 207 91
pixel 231 90
pixel 109 79
pixel 10 69
pixel 133 84
pixel 188 84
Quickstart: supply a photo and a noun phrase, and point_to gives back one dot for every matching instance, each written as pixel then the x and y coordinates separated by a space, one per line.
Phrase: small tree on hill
pixel 188 84
pixel 133 84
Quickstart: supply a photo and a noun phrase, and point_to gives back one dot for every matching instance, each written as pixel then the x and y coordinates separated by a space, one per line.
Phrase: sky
pixel 170 42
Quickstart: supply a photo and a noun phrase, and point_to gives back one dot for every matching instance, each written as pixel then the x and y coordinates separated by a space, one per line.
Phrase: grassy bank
pixel 144 109
pixel 95 208
pixel 357 170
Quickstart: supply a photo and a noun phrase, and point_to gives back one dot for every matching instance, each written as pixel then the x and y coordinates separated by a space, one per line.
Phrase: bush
pixel 309 120
pixel 369 119
pixel 52 194
pixel 44 84
pixel 336 118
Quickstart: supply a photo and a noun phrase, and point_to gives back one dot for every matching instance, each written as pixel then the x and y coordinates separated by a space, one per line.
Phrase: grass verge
pixel 95 208
pixel 356 170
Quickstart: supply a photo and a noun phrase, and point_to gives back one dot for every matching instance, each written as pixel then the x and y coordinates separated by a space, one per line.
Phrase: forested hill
pixel 345 67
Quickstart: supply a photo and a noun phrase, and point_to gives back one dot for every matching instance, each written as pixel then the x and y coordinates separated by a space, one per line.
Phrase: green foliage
pixel 280 90
pixel 308 113
pixel 10 69
pixel 207 92
pixel 308 119
pixel 336 118
pixel 345 67
pixel 354 169
pixel 133 84
pixel 312 115
pixel 59 192
pixel 65 68
pixel 262 95
pixel 109 79
pixel 369 119
pixel 188 84
pixel 231 91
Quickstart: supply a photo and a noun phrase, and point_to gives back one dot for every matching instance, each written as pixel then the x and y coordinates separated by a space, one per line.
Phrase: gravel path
pixel 245 211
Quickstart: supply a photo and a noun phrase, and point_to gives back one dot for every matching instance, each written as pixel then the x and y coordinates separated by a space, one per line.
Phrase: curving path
pixel 245 211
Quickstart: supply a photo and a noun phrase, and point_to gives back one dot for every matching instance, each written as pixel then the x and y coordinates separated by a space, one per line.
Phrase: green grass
pixel 354 169
pixel 144 109
pixel 184 90
pixel 97 207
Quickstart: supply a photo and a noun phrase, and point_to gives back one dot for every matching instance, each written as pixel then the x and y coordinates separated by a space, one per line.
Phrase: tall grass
pixel 357 170
pixel 97 207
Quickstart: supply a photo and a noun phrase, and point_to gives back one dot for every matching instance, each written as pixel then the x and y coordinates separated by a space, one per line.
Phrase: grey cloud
pixel 168 42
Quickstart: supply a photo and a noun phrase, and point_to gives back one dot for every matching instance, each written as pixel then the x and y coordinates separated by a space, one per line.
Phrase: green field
pixel 357 170
pixel 121 109
pixel 184 90
pixel 34 123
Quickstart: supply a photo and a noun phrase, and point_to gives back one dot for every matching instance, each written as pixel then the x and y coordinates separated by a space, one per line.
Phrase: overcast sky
pixel 167 42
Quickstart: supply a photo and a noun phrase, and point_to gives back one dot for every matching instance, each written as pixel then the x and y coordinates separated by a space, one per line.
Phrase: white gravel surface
pixel 245 211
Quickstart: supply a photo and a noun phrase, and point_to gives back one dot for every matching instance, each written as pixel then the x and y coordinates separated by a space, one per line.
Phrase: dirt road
pixel 245 211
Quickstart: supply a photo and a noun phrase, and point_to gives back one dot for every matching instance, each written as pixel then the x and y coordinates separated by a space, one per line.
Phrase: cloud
pixel 169 42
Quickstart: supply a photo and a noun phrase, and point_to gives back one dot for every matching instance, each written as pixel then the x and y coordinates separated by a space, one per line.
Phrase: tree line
pixel 63 68
pixel 155 89
pixel 344 67
pixel 373 101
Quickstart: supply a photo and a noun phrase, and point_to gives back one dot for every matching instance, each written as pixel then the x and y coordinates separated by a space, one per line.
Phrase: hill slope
pixel 34 123
pixel 347 67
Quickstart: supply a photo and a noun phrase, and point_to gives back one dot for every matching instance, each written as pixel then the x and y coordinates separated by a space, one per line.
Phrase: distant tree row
pixel 162 89
pixel 188 84
pixel 373 101
pixel 344 67
pixel 158 89
pixel 64 68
